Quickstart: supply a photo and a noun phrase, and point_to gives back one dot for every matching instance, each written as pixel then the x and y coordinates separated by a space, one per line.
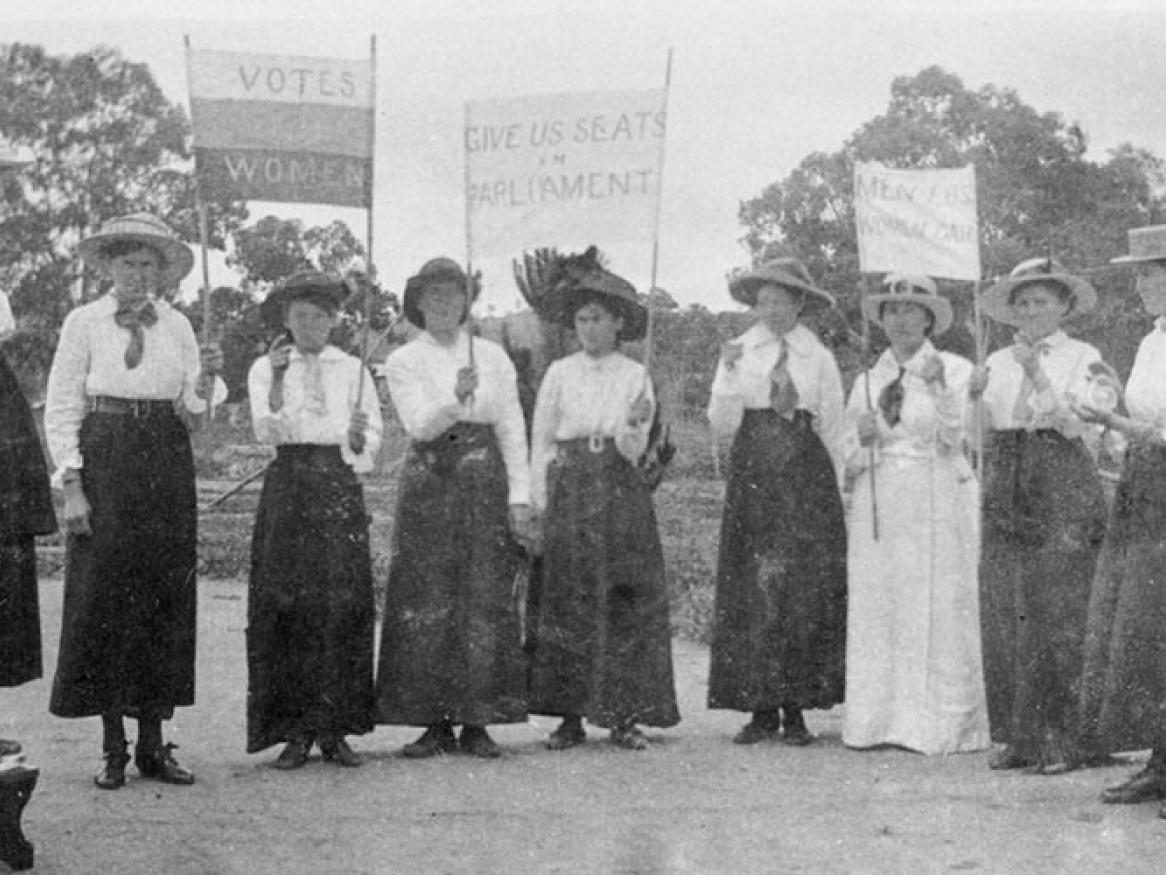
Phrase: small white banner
pixel 917 221
pixel 565 170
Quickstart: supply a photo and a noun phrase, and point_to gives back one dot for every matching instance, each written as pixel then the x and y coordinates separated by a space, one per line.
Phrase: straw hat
pixel 997 300
pixel 612 292
pixel 1146 244
pixel 142 228
pixel 787 272
pixel 913 289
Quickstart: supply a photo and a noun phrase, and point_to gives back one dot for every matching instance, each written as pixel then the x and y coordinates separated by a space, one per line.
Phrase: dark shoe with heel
pixel 1146 785
pixel 159 764
pixel 437 739
pixel 112 775
pixel 569 734
pixel 336 750
pixel 293 756
pixel 629 738
pixel 476 741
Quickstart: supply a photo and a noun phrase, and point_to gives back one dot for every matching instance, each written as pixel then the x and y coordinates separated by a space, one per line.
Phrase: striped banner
pixel 283 128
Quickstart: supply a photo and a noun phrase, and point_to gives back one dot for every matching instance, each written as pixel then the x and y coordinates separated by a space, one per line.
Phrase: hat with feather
pixel 574 281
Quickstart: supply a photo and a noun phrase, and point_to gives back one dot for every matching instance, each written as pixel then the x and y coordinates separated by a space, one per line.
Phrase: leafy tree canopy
pixel 1037 194
pixel 107 142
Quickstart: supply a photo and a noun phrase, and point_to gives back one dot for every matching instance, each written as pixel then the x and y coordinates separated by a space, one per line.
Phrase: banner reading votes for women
pixel 917 221
pixel 282 128
pixel 563 170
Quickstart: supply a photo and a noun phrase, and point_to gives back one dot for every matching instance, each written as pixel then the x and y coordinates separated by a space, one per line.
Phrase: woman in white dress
pixel 913 662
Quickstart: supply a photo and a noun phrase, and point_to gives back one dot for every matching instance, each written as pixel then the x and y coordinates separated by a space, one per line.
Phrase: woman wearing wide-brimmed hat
pixel 1125 655
pixel 451 648
pixel 310 609
pixel 1044 517
pixel 604 639
pixel 914 675
pixel 127 365
pixel 779 631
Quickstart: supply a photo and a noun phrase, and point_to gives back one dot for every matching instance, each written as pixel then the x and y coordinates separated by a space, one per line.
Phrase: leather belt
pixel 136 407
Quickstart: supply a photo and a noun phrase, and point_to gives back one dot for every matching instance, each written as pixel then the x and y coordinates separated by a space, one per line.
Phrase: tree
pixel 1037 193
pixel 107 142
pixel 273 249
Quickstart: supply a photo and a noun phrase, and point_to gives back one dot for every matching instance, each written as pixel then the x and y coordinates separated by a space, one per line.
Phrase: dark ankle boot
pixel 336 750
pixel 16 786
pixel 112 775
pixel 794 729
pixel 160 765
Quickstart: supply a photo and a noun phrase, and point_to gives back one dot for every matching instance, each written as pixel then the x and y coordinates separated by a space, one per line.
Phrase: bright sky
pixel 756 86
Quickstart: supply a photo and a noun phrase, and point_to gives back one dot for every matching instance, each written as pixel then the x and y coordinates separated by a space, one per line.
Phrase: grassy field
pixel 688 505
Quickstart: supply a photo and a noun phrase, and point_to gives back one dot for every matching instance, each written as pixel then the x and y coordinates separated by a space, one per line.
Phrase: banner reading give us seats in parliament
pixel 283 128
pixel 917 221
pixel 564 170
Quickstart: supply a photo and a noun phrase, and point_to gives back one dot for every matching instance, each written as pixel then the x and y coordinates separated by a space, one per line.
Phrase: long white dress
pixel 914 675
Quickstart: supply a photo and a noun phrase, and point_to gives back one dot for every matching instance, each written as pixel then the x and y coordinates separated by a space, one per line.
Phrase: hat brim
pixel 1137 259
pixel 179 257
pixel 562 304
pixel 272 307
pixel 940 308
pixel 744 288
pixel 996 301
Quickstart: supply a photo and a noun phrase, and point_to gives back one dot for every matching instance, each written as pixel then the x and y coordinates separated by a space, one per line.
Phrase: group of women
pixel 852 561
pixel 944 634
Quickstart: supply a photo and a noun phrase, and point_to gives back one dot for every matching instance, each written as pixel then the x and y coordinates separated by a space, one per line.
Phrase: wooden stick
pixel 866 350
pixel 656 224
pixel 372 54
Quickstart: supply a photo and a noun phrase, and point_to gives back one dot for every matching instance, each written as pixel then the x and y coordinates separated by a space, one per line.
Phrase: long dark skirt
pixel 20 646
pixel 604 638
pixel 310 610
pixel 780 613
pixel 128 624
pixel 26 510
pixel 1044 520
pixel 1124 698
pixel 450 643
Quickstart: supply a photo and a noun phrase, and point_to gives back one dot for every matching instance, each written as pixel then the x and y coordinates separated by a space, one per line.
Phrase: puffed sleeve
pixel 632 440
pixel 423 415
pixel 270 428
pixel 951 401
pixel 544 426
pixel 510 427
pixel 65 401
pixel 364 461
pixel 830 421
pixel 855 457
pixel 726 404
pixel 191 367
pixel 1053 405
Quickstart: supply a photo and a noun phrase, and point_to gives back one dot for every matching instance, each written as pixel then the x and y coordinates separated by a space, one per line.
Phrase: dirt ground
pixel 693 803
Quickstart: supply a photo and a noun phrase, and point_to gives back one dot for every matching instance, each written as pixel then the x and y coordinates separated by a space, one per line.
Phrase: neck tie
pixel 783 394
pixel 315 401
pixel 135 316
pixel 1022 413
pixel 891 400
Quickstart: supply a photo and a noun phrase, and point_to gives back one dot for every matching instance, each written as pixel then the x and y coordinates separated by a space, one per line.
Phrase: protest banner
pixel 565 170
pixel 283 128
pixel 917 221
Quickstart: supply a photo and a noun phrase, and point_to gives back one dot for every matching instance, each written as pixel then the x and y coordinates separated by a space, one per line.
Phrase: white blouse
pixel 422 375
pixel 1145 393
pixel 746 385
pixel 90 361
pixel 1065 361
pixel 581 397
pixel 298 423
pixel 932 418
